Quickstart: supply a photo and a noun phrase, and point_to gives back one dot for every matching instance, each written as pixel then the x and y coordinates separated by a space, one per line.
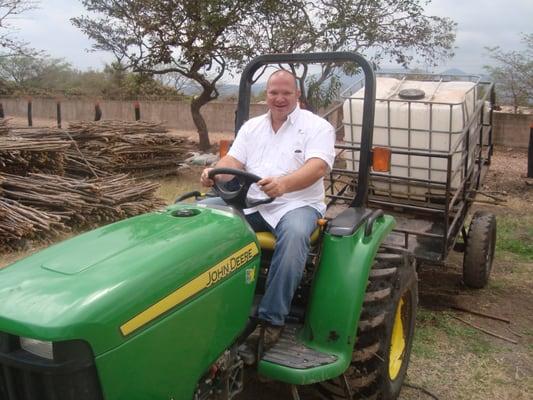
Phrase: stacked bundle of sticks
pixel 144 148
pixel 40 205
pixel 18 221
pixel 97 148
pixel 73 161
pixel 52 180
pixel 22 154
pixel 111 128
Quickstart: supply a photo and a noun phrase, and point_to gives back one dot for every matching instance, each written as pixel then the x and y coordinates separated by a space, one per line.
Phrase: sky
pixel 481 23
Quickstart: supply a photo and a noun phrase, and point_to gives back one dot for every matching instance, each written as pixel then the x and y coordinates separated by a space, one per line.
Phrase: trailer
pixel 438 129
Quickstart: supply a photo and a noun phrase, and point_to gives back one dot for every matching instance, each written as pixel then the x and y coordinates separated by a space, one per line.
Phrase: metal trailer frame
pixel 427 228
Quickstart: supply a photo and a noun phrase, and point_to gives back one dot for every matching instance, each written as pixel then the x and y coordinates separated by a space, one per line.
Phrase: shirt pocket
pixel 291 158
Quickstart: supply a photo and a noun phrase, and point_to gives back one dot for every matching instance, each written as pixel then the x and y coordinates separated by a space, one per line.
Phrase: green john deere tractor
pixel 159 306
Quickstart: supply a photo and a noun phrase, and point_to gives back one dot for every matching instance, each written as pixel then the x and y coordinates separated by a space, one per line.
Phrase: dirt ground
pixel 451 359
pixel 454 360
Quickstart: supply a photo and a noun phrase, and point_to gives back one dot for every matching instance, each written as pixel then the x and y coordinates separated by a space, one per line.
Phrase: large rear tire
pixel 385 333
pixel 479 250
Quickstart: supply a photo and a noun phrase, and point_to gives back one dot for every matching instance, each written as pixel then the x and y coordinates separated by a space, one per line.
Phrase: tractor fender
pixel 339 288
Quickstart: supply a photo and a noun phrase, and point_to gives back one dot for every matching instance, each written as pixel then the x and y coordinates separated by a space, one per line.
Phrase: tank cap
pixel 411 94
pixel 186 212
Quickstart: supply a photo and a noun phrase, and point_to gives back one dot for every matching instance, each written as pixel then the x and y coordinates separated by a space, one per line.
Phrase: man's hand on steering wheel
pixel 204 178
pixel 273 186
pixel 209 182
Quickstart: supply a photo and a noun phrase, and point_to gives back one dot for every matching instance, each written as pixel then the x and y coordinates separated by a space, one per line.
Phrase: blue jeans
pixel 293 234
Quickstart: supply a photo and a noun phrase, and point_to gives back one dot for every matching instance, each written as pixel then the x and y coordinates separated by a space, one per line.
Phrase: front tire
pixel 385 333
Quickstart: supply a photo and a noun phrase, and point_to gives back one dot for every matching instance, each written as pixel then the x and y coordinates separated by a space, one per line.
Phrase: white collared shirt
pixel 266 153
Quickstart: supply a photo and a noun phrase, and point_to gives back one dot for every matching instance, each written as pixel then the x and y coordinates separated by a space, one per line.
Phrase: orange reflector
pixel 224 147
pixel 381 159
pixel 322 222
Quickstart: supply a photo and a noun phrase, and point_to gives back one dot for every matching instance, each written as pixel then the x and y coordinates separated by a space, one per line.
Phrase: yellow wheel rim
pixel 397 343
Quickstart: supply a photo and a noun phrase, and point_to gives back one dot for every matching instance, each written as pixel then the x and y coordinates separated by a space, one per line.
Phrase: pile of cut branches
pixel 52 180
pixel 40 205
pixel 23 154
pixel 144 148
pixel 100 147
pixel 18 221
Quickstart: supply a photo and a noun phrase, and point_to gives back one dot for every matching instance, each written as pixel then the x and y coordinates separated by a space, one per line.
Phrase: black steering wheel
pixel 236 193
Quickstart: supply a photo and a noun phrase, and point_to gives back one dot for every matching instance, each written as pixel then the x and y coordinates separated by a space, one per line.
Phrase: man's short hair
pixel 283 71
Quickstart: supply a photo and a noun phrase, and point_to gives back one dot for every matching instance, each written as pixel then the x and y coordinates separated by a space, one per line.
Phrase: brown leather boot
pixel 270 335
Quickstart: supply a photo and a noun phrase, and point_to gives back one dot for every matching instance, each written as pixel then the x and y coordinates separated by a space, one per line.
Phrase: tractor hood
pixel 90 286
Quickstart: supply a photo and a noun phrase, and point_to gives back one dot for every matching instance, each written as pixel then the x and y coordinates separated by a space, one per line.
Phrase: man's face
pixel 282 95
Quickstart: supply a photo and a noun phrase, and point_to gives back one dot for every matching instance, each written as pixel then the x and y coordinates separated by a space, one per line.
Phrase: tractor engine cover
pixel 155 298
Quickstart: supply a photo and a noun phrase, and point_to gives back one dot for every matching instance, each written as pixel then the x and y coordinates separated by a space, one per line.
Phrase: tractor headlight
pixel 39 348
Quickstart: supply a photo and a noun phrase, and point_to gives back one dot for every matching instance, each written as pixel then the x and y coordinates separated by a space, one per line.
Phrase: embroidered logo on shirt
pixel 298 151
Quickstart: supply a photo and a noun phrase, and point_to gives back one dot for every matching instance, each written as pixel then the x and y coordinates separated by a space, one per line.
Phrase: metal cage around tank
pixel 430 209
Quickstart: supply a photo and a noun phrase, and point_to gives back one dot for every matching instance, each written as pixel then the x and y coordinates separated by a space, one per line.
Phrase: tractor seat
pixel 267 240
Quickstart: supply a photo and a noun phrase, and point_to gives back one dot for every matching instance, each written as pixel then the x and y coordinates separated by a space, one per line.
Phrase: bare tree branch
pixel 513 73
pixel 9 45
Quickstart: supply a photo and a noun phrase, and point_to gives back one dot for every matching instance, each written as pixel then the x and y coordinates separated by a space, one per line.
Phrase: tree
pixel 18 69
pixel 8 10
pixel 195 38
pixel 46 76
pixel 513 73
pixel 35 72
pixel 204 39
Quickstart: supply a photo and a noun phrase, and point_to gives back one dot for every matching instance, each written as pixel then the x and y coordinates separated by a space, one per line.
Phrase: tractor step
pixel 289 352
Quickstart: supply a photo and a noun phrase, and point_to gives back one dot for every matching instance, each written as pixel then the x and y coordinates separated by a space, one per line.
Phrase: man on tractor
pixel 292 149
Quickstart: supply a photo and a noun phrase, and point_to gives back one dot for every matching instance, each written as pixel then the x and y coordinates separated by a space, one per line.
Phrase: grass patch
pixel 528 332
pixel 424 340
pixel 496 284
pixel 440 327
pixel 172 187
pixel 515 235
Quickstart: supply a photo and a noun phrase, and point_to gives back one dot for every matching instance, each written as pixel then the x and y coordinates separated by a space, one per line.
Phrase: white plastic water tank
pixel 432 123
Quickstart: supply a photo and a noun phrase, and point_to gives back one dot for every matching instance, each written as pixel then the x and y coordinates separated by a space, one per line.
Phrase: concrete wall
pixel 512 130
pixel 220 117
pixel 509 129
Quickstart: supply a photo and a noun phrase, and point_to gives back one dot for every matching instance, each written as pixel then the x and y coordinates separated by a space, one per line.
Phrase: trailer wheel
pixel 385 334
pixel 479 250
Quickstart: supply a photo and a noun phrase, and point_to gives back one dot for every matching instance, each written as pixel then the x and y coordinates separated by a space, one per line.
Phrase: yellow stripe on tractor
pixel 207 279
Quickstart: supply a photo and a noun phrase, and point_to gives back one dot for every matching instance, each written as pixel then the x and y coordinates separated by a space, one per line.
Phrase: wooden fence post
pixel 137 108
pixel 530 153
pixel 97 112
pixel 58 114
pixel 30 117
